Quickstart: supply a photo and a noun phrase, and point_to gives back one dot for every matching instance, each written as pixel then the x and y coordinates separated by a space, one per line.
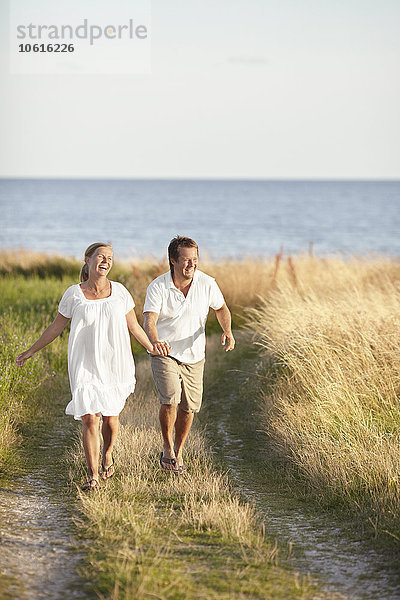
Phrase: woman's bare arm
pixel 138 332
pixel 48 335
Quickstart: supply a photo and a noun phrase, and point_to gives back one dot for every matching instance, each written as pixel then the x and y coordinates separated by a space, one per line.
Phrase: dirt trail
pixel 38 558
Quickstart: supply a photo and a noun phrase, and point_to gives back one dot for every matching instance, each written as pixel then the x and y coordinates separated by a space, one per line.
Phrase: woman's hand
pixel 23 357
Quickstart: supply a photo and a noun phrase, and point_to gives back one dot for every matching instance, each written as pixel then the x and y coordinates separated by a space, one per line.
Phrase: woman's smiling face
pixel 101 261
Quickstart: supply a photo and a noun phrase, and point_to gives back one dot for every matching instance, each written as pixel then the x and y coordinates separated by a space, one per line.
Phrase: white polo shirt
pixel 181 321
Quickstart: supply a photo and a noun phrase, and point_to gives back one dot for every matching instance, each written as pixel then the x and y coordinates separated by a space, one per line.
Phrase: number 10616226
pixel 46 48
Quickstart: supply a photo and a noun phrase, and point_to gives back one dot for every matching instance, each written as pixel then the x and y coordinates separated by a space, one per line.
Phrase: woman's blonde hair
pixel 84 276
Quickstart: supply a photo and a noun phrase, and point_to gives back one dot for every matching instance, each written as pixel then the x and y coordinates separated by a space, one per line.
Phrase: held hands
pixel 23 357
pixel 229 340
pixel 161 348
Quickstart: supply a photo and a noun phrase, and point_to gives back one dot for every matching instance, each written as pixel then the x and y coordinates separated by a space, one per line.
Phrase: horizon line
pixel 199 179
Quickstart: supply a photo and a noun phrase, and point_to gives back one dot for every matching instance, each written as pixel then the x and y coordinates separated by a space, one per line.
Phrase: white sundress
pixel 100 362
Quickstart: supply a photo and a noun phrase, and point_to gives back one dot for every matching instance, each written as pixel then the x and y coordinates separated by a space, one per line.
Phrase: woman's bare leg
pixel 109 430
pixel 91 444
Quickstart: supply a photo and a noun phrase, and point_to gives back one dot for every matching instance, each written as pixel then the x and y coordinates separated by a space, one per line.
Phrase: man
pixel 175 314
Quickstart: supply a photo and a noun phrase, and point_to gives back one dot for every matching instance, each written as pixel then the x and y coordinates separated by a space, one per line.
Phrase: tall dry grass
pixel 333 408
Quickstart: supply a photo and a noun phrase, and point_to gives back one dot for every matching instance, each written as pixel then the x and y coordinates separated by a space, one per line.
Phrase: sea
pixel 229 219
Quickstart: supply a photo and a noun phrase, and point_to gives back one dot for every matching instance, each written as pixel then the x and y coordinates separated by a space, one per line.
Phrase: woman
pixel 100 362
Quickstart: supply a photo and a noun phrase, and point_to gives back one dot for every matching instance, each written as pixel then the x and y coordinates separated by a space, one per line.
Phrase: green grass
pixel 27 306
pixel 16 384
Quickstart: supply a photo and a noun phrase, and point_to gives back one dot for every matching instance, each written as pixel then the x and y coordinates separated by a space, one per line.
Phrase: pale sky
pixel 238 89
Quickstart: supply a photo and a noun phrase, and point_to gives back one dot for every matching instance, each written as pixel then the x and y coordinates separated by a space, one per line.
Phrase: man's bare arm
pixel 224 319
pixel 150 326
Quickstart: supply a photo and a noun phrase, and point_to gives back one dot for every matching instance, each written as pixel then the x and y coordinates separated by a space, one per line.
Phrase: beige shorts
pixel 178 383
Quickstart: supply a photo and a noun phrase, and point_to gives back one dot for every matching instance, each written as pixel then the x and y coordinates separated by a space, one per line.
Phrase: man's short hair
pixel 177 242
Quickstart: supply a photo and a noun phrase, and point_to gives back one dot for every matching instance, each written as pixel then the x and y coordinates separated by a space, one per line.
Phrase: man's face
pixel 186 264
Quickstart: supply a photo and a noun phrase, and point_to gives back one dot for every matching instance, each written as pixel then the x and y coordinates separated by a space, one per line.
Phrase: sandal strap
pixel 106 469
pixel 168 461
pixel 88 485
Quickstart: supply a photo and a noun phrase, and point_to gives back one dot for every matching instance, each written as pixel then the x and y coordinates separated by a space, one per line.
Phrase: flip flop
pixel 106 470
pixel 168 461
pixel 88 487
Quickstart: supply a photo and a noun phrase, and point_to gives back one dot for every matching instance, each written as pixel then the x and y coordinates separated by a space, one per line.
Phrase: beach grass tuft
pixel 331 397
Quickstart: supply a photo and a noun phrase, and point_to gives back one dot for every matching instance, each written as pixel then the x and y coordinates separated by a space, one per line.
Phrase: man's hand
pixel 162 348
pixel 224 319
pixel 229 340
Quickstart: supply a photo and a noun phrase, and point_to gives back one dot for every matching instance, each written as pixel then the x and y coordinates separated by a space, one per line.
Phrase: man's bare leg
pixel 183 424
pixel 167 421
pixel 91 444
pixel 109 431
